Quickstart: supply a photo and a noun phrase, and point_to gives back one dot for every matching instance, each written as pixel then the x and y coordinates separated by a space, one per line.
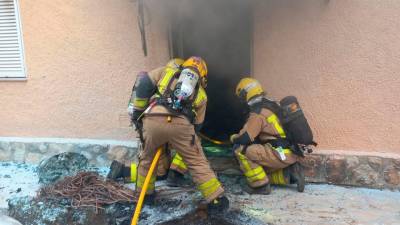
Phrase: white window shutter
pixel 11 47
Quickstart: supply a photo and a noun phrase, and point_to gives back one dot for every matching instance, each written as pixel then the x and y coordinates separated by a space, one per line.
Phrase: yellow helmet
pixel 198 64
pixel 175 63
pixel 248 88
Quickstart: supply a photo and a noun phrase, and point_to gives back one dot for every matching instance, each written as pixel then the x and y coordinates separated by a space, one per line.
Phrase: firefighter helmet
pixel 248 88
pixel 198 64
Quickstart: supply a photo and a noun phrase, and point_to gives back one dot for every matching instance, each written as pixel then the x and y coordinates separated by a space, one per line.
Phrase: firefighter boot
pixel 262 190
pixel 176 179
pixel 295 172
pixel 118 170
pixel 218 206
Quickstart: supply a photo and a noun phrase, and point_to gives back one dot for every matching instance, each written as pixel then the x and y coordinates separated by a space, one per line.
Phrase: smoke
pixel 219 31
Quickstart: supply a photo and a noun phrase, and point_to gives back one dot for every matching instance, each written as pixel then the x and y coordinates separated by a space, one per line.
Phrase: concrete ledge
pixel 355 168
pixel 33 150
pixel 370 170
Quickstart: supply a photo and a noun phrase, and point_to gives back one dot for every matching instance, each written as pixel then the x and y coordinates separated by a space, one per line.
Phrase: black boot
pixel 218 205
pixel 176 179
pixel 118 170
pixel 263 190
pixel 296 176
pixel 150 199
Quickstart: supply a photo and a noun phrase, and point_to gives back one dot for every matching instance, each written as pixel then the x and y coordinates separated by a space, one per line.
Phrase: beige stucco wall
pixel 82 57
pixel 342 59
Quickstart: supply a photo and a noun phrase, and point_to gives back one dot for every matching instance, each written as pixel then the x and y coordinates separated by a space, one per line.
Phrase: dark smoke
pixel 220 32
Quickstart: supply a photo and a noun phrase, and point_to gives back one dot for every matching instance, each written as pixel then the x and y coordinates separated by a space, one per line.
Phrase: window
pixel 11 47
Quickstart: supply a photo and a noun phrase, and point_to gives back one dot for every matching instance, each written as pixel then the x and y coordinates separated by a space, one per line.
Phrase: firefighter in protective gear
pixel 173 121
pixel 262 153
pixel 143 90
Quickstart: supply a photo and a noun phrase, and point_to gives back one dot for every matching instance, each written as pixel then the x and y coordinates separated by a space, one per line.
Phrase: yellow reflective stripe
pixel 133 172
pixel 286 151
pixel 178 161
pixel 255 174
pixel 273 119
pixel 140 182
pixel 140 102
pixel 252 175
pixel 209 187
pixel 201 96
pixel 245 163
pixel 163 83
pixel 277 177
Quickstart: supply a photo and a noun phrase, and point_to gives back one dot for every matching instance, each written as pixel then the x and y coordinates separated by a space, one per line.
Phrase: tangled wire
pixel 88 189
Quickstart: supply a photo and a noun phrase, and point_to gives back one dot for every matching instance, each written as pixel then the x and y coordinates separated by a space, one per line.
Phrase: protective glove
pixel 233 137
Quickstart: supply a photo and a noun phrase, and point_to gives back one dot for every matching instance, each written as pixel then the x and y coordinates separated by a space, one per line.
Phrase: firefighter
pixel 141 93
pixel 173 169
pixel 175 113
pixel 261 147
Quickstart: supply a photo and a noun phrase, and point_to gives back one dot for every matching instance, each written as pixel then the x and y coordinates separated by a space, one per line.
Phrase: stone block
pixel 336 169
pixel 57 148
pixel 392 176
pixel 19 152
pixel 365 175
pixel 118 153
pixel 314 167
pixel 375 162
pixel 5 152
pixel 33 158
pixel 352 162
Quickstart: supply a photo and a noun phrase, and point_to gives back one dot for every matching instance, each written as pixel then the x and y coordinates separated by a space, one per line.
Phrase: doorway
pixel 219 31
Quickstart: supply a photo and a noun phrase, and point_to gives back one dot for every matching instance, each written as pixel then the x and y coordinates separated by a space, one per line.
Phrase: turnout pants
pixel 180 135
pixel 263 164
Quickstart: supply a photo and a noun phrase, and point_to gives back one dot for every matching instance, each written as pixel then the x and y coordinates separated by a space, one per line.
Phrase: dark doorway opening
pixel 219 31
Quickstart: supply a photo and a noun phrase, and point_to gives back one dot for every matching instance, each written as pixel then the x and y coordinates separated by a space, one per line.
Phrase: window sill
pixel 13 79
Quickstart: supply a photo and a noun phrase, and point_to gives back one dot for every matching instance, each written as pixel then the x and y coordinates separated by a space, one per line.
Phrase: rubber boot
pixel 262 190
pixel 150 200
pixel 296 175
pixel 118 170
pixel 176 179
pixel 218 206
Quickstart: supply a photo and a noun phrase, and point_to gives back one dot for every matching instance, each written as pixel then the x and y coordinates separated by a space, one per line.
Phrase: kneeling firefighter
pixel 266 147
pixel 143 89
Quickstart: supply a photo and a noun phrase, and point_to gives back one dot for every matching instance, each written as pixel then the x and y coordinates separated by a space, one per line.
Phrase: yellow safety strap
pixel 133 172
pixel 178 161
pixel 140 182
pixel 278 177
pixel 140 103
pixel 209 187
pixel 167 76
pixel 201 97
pixel 273 119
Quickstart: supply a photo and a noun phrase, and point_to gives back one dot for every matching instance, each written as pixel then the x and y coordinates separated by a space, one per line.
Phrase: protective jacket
pixel 259 153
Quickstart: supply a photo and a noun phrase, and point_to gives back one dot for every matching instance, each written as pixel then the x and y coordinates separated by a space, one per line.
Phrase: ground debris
pixel 88 189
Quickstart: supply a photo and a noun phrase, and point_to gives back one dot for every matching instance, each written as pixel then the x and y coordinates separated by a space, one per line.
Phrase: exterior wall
pixel 82 57
pixel 341 59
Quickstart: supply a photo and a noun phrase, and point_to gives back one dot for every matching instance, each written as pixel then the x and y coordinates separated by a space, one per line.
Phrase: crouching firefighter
pixel 265 151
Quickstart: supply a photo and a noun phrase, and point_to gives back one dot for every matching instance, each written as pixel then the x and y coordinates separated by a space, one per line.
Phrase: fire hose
pixel 145 186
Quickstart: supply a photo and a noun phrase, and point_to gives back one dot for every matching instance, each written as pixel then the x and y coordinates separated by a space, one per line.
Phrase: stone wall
pixel 99 153
pixel 335 167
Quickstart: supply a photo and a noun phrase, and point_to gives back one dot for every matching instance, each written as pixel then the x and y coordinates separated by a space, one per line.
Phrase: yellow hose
pixel 214 141
pixel 145 185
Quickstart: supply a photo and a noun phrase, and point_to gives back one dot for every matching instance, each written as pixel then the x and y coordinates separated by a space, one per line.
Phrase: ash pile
pixel 72 192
